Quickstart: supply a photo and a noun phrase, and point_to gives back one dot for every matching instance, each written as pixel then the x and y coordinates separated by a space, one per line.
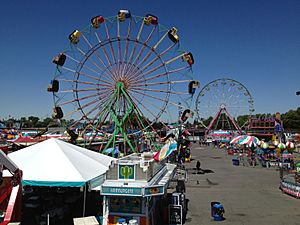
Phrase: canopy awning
pixel 56 163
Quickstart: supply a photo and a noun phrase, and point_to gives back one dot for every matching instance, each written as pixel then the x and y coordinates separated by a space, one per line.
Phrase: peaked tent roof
pixel 24 140
pixel 56 163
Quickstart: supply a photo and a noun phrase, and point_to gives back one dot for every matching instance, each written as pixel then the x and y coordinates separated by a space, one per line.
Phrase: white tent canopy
pixel 56 163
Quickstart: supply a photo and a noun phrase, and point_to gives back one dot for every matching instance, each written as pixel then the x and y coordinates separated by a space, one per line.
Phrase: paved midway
pixel 250 196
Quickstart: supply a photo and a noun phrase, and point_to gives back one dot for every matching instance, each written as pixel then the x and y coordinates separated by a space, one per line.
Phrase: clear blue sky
pixel 254 42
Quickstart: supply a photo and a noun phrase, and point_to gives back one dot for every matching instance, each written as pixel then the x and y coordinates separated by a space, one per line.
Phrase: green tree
pixel 33 120
pixel 47 121
pixel 291 119
pixel 207 121
pixel 241 120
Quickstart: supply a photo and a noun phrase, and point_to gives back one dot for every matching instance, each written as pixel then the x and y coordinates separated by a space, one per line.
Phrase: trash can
pixel 219 211
pixel 235 162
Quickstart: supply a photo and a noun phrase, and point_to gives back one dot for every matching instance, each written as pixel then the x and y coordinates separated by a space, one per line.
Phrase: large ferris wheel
pixel 224 100
pixel 122 74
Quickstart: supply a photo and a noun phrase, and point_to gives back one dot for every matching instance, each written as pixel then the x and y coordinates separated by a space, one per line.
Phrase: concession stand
pixel 135 190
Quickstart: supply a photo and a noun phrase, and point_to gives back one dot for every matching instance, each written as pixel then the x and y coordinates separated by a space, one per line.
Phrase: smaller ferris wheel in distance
pixel 224 104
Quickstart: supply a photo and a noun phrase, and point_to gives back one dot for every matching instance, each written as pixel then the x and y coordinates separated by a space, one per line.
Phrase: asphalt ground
pixel 250 195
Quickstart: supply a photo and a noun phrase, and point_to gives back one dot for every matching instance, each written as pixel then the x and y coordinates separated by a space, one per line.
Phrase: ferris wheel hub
pixel 222 106
pixel 120 84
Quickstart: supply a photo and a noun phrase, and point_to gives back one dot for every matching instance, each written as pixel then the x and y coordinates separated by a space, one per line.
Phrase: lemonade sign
pixel 126 172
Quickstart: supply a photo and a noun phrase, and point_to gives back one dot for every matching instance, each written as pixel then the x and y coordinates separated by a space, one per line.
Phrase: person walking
pixel 198 165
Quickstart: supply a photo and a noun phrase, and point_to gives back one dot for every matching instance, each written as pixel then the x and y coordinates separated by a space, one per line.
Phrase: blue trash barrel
pixel 235 162
pixel 219 211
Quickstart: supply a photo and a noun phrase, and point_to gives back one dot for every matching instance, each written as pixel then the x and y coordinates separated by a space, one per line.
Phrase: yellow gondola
pixel 74 36
pixel 173 35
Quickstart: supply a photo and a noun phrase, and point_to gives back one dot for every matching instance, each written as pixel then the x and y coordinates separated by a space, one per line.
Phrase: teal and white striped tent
pixel 56 163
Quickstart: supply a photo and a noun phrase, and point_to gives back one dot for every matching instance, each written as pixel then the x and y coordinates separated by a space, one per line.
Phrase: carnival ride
pixel 10 190
pixel 120 77
pixel 223 100
pixel 265 128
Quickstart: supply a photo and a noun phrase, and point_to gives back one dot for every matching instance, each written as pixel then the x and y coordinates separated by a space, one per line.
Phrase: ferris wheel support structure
pixel 223 110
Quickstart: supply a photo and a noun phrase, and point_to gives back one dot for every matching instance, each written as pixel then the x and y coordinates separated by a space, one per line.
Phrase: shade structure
pixel 252 145
pixel 290 145
pixel 281 146
pixel 24 141
pixel 245 140
pixel 56 163
pixel 250 140
pixel 238 139
pixel 264 145
pixel 166 150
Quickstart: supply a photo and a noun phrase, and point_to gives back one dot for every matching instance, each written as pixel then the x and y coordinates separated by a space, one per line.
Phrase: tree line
pixel 290 119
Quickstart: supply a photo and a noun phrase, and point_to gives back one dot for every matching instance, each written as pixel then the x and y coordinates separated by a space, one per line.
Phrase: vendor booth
pixel 58 180
pixel 135 189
